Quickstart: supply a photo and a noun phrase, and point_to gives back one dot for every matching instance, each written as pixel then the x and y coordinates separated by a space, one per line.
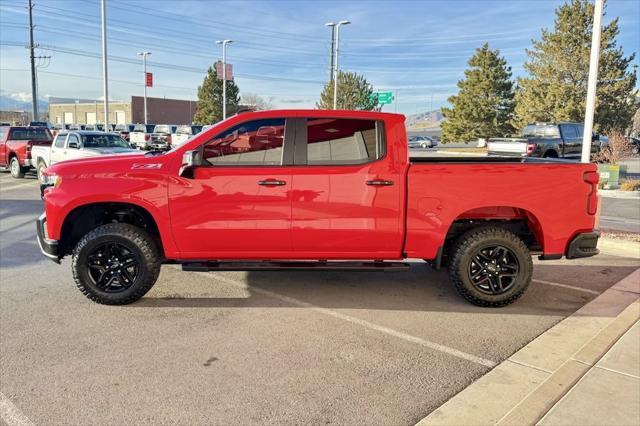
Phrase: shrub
pixel 630 185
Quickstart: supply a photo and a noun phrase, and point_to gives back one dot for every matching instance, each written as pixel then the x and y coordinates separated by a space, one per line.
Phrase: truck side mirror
pixel 190 159
pixel 73 145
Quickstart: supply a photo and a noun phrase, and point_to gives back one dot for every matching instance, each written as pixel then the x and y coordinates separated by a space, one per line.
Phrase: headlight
pixel 51 181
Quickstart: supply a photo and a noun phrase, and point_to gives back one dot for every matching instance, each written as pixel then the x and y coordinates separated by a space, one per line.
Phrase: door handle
pixel 271 182
pixel 379 182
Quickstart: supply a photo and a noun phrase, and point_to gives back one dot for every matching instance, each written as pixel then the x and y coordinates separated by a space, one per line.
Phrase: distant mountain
pixel 7 103
pixel 425 120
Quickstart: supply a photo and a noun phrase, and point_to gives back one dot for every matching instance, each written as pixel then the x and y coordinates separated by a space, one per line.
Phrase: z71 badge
pixel 146 166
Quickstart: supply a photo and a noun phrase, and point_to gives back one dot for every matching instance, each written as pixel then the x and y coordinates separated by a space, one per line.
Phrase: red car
pixel 313 190
pixel 15 147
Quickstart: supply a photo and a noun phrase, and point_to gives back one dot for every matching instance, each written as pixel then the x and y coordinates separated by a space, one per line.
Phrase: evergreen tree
pixel 483 107
pixel 210 99
pixel 354 93
pixel 558 67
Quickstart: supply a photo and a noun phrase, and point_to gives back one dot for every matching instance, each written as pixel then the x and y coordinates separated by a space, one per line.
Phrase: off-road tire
pixel 464 249
pixel 17 171
pixel 136 240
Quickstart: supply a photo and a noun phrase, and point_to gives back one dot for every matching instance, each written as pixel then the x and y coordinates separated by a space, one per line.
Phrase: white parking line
pixel 570 287
pixel 363 323
pixel 12 414
pixel 19 185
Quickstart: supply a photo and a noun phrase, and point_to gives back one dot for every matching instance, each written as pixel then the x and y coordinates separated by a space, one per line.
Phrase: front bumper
pixel 48 247
pixel 583 245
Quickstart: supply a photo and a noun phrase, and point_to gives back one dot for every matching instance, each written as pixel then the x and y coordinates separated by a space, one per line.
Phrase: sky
pixel 280 50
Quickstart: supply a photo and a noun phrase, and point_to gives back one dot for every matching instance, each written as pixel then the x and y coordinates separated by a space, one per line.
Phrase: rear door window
pixel 343 141
pixel 569 131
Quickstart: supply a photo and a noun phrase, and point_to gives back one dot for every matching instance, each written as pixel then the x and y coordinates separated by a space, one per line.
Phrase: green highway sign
pixel 383 97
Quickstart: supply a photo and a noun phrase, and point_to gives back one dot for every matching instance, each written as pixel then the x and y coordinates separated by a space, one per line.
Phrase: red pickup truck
pixel 316 189
pixel 15 147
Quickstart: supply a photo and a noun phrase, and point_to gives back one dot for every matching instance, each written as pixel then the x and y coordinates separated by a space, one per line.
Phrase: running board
pixel 295 266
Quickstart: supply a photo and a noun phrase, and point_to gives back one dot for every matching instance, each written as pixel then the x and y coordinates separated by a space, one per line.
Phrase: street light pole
pixel 105 83
pixel 333 48
pixel 34 88
pixel 144 68
pixel 335 79
pixel 224 76
pixel 592 82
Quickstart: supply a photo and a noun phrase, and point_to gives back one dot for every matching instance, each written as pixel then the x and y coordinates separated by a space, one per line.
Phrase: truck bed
pixel 550 195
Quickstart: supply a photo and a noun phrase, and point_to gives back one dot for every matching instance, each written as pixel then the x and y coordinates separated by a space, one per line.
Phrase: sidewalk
pixel 609 394
pixel 583 371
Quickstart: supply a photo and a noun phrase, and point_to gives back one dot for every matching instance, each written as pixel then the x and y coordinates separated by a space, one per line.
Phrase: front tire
pixel 40 171
pixel 116 264
pixel 17 171
pixel 491 267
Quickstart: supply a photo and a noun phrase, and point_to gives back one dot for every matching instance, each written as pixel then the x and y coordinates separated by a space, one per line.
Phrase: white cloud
pixel 20 96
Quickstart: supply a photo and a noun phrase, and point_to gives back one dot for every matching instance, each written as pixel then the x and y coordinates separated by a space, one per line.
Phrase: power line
pixel 121 59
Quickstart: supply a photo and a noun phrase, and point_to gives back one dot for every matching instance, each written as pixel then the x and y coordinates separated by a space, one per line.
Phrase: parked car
pixel 161 138
pixel 78 144
pixel 141 135
pixel 184 133
pixel 77 127
pixel 338 192
pixel 16 144
pixel 124 130
pixel 421 142
pixel 546 140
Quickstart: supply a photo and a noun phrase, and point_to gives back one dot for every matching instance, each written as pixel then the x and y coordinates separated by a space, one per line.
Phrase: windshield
pixel 104 141
pixel 30 134
pixel 163 128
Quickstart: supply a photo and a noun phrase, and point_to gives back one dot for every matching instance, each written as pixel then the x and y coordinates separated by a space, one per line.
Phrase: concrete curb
pixel 523 388
pixel 615 193
pixel 619 247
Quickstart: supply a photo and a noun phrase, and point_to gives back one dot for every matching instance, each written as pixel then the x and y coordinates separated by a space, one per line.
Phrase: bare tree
pixel 256 102
pixel 618 149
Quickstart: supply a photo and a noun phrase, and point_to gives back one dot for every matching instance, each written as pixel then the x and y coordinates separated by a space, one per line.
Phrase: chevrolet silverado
pixel 297 189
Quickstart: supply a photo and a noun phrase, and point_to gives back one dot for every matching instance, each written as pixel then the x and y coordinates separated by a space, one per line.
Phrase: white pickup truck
pixel 140 136
pixel 184 133
pixel 78 144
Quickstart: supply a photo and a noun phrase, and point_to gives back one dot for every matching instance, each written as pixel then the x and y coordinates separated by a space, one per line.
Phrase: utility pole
pixel 333 48
pixel 337 50
pixel 144 68
pixel 224 76
pixel 592 82
pixel 34 92
pixel 105 83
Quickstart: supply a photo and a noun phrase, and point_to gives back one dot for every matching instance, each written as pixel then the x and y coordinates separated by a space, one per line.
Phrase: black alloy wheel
pixel 494 269
pixel 113 267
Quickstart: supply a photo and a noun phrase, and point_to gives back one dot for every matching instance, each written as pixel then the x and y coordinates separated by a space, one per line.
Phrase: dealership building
pixel 87 111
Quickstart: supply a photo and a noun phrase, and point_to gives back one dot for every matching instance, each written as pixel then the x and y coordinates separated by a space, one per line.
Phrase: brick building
pixel 87 111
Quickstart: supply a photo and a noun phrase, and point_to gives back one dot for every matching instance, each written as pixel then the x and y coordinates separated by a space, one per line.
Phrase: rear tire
pixel 490 267
pixel 115 264
pixel 17 171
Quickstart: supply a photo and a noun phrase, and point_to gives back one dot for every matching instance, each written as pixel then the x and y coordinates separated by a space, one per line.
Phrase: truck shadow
pixel 420 289
pixel 18 246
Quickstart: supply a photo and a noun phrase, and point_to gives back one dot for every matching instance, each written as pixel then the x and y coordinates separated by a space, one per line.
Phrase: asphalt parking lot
pixel 268 347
